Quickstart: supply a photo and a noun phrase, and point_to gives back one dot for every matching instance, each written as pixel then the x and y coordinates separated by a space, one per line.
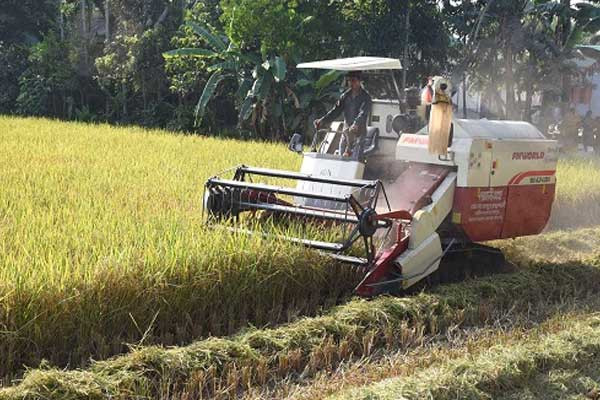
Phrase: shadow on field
pixel 226 367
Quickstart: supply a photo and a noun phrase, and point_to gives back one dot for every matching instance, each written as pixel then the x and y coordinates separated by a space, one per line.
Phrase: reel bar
pixel 273 189
pixel 307 212
pixel 358 183
pixel 328 249
pixel 313 244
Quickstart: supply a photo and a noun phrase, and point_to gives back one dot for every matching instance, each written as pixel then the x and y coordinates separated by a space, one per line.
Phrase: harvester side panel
pixel 480 211
pixel 529 209
pixel 528 169
pixel 518 200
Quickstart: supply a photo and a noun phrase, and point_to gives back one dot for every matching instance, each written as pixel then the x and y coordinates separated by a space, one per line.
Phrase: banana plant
pixel 315 92
pixel 268 98
pixel 279 105
pixel 270 95
pixel 229 63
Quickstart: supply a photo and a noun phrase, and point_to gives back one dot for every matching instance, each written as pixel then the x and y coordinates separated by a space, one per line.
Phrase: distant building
pixel 584 96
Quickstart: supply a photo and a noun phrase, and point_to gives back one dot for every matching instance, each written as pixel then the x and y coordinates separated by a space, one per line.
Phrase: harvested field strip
pixel 552 247
pixel 510 369
pixel 455 342
pixel 221 367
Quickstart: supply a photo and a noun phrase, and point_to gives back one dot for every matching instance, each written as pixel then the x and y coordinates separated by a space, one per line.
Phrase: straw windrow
pixel 511 370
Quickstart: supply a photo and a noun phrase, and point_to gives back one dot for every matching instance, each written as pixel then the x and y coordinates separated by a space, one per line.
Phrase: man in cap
pixel 569 130
pixel 355 103
pixel 427 97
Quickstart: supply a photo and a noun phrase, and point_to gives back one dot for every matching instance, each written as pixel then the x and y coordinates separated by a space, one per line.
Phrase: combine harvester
pixel 496 181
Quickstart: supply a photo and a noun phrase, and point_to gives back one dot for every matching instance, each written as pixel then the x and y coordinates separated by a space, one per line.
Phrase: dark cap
pixel 354 74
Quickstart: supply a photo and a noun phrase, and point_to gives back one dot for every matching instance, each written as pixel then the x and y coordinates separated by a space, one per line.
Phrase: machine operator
pixel 355 103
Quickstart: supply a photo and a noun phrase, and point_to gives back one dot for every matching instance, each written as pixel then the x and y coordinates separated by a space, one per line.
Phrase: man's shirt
pixel 356 110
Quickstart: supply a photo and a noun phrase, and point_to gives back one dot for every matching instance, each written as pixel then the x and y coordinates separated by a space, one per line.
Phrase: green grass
pixel 102 244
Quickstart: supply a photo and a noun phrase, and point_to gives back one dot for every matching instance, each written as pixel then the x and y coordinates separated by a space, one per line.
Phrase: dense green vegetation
pixel 102 60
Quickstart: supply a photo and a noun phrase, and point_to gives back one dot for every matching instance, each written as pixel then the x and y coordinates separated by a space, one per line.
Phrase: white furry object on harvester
pixel 440 118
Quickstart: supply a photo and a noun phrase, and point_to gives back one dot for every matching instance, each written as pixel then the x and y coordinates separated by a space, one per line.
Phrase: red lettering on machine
pixel 528 155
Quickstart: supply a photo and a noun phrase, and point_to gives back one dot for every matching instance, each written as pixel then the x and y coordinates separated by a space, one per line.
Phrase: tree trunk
pixel 144 93
pixel 61 21
pixel 564 30
pixel 83 18
pixel 528 100
pixel 107 19
pixel 464 96
pixel 162 17
pixel 405 50
pixel 124 94
pixel 529 91
pixel 84 35
pixel 509 79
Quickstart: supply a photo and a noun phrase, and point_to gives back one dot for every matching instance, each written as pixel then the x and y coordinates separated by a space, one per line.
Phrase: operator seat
pixel 370 141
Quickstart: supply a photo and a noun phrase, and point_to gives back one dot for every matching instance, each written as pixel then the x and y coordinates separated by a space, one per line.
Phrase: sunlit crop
pixel 102 243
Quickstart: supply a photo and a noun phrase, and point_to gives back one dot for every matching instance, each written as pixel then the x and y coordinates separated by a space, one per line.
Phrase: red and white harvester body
pixel 497 181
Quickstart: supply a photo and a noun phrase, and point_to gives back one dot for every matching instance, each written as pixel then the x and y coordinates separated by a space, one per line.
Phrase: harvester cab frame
pixel 390 115
pixel 423 220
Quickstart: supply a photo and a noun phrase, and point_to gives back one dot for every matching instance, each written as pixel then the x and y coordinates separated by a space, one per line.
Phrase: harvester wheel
pixel 219 204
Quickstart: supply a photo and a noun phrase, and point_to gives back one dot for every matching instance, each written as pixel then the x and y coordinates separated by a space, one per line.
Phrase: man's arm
pixel 335 111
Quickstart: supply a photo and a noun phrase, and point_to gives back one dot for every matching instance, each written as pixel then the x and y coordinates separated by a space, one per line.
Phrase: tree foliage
pixel 519 47
pixel 230 64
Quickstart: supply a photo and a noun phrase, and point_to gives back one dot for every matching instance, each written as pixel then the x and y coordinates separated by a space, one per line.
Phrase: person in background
pixel 569 130
pixel 588 132
pixel 355 104
pixel 545 120
pixel 427 97
pixel 597 135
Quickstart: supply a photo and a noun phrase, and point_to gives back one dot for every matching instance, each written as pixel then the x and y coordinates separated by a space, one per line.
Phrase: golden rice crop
pixel 577 201
pixel 102 243
pixel 225 367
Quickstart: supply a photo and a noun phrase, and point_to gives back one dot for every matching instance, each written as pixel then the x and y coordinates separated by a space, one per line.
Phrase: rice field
pixel 103 245
pixel 103 251
pixel 578 193
pixel 225 367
